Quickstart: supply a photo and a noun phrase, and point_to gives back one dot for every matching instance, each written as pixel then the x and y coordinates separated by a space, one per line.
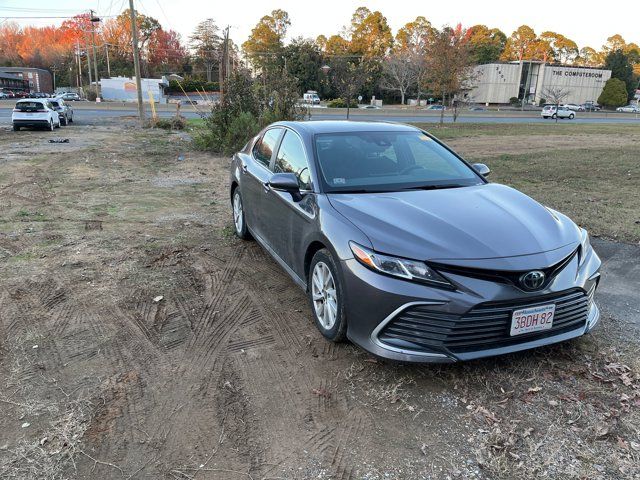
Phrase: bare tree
pixel 448 63
pixel 556 95
pixel 400 72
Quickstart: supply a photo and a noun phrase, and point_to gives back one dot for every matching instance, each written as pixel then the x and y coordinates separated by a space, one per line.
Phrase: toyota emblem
pixel 532 280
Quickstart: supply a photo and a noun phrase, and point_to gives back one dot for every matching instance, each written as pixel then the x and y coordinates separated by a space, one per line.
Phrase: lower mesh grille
pixel 485 326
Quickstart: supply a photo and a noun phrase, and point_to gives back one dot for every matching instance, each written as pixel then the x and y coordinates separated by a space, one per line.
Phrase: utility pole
pixel 106 49
pixel 79 84
pixel 54 69
pixel 136 61
pixel 86 45
pixel 223 68
pixel 94 20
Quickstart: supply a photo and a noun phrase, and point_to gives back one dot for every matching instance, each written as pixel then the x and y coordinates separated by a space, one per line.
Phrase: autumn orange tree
pixel 448 63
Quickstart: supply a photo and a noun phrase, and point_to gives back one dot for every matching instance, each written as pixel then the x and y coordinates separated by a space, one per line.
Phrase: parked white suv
pixel 551 111
pixel 35 112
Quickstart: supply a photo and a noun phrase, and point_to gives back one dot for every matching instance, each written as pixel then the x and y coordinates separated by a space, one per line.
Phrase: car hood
pixel 478 224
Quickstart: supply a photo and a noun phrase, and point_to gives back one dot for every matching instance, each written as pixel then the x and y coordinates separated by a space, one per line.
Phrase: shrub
pixel 542 101
pixel 341 103
pixel 91 94
pixel 191 85
pixel 246 107
pixel 177 122
pixel 614 93
pixel 514 101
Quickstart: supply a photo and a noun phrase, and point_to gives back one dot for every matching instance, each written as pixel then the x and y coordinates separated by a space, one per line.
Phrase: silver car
pixel 553 111
pixel 406 249
pixel 65 112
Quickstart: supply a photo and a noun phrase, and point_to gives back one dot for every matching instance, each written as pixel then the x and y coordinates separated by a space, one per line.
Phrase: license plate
pixel 532 319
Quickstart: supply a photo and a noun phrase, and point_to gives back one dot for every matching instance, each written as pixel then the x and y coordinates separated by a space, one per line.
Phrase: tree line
pixel 364 58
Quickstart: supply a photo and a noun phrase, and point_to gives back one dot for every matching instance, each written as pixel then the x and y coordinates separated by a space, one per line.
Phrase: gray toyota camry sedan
pixel 406 249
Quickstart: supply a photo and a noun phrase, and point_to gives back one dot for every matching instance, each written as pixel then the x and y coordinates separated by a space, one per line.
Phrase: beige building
pixel 499 82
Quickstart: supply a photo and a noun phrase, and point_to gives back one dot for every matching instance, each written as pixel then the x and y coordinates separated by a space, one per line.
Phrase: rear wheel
pixel 571 117
pixel 554 116
pixel 326 296
pixel 63 121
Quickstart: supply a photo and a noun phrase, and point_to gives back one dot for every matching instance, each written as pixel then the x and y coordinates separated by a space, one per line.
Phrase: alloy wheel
pixel 324 294
pixel 238 214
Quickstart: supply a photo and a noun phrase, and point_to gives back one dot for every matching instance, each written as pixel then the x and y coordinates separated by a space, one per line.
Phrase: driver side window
pixel 291 158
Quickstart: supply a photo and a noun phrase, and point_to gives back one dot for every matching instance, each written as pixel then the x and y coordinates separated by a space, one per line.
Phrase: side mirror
pixel 481 168
pixel 286 182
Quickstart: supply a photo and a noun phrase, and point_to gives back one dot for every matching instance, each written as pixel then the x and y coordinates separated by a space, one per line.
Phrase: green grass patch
pixel 450 130
pixel 597 188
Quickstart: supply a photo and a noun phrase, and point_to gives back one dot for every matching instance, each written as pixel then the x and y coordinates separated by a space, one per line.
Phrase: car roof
pixel 342 126
pixel 25 100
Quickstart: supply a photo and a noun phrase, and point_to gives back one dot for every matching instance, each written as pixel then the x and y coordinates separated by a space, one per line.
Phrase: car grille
pixel 485 326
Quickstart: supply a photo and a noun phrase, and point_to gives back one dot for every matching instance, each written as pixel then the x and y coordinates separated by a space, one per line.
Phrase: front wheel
pixel 51 125
pixel 554 116
pixel 16 128
pixel 571 117
pixel 64 122
pixel 326 296
pixel 239 222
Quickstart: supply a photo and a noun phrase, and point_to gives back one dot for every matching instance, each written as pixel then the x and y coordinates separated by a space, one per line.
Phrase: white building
pixel 124 89
pixel 499 82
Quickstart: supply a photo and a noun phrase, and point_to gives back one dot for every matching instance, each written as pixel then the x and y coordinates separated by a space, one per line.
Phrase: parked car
pixel 590 107
pixel 4 95
pixel 551 111
pixel 37 113
pixel 406 249
pixel 574 107
pixel 631 108
pixel 436 107
pixel 71 97
pixel 65 112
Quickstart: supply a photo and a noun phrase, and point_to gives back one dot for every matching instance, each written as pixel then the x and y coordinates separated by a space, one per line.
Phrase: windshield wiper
pixel 435 187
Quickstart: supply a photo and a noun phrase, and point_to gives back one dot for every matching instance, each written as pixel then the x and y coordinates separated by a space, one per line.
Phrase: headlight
pixel 398 267
pixel 585 245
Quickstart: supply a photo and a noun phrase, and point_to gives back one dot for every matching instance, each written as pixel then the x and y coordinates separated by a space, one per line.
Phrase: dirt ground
pixel 140 339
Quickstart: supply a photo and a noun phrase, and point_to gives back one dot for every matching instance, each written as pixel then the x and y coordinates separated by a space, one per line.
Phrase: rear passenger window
pixel 264 147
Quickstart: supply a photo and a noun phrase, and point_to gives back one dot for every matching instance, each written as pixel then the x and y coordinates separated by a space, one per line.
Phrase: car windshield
pixel 55 104
pixel 361 162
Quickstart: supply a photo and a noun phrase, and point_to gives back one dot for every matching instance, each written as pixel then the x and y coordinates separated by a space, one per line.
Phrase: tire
pixel 16 128
pixel 571 117
pixel 239 218
pixel 71 119
pixel 326 296
pixel 64 122
pixel 553 116
pixel 51 126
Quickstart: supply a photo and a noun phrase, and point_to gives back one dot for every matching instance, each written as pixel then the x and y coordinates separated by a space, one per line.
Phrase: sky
pixel 585 22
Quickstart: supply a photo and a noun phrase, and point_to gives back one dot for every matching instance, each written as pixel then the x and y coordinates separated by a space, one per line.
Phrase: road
pixel 93 113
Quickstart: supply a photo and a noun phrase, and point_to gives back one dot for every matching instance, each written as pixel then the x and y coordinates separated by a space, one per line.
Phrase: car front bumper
pixel 374 301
